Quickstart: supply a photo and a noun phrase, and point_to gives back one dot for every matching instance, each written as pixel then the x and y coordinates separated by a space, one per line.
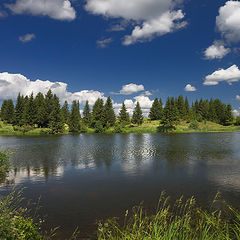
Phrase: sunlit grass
pixel 182 220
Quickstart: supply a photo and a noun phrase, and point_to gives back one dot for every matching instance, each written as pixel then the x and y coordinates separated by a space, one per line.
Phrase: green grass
pixel 183 220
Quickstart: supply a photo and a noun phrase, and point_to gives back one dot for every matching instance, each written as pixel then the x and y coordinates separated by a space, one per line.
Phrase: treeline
pixel 45 111
pixel 178 109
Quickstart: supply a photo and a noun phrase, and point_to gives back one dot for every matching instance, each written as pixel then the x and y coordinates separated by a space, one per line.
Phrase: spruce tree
pixel 56 117
pixel 181 108
pixel 98 115
pixel 39 103
pixel 29 114
pixel 137 117
pixel 87 114
pixel 49 105
pixel 211 111
pixel 110 117
pixel 228 116
pixel 154 113
pixel 19 109
pixel 123 115
pixel 74 123
pixel 65 112
pixel 7 111
pixel 187 108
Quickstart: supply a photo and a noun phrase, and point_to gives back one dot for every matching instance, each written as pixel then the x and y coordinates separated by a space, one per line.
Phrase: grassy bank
pixel 147 127
pixel 180 221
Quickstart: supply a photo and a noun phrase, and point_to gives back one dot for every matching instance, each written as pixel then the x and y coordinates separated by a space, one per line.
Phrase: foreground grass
pixel 181 221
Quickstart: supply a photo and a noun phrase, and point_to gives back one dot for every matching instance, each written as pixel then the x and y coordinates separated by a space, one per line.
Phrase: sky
pixel 130 50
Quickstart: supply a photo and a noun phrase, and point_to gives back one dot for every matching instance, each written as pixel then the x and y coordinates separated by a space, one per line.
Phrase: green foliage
pixel 123 116
pixel 99 128
pixel 237 123
pixel 87 114
pixel 65 112
pixel 180 221
pixel 74 124
pixel 4 164
pixel 137 117
pixel 194 125
pixel 40 105
pixel 7 111
pixel 109 115
pixel 98 114
pixel 156 110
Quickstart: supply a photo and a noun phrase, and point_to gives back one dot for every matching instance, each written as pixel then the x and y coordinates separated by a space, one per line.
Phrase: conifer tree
pixel 87 114
pixel 29 114
pixel 181 108
pixel 98 114
pixel 154 113
pixel 211 111
pixel 123 115
pixel 19 109
pixel 48 105
pixel 74 123
pixel 137 117
pixel 187 108
pixel 39 103
pixel 7 111
pixel 56 117
pixel 65 112
pixel 228 115
pixel 110 117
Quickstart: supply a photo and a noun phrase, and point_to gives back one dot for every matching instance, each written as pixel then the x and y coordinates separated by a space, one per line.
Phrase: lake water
pixel 85 178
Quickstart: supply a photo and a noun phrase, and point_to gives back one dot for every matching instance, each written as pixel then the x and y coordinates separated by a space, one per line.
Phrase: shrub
pixel 194 125
pixel 4 164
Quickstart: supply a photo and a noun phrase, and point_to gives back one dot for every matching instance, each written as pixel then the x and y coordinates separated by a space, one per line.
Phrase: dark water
pixel 88 177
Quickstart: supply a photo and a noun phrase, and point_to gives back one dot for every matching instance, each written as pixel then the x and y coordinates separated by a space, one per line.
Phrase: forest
pixel 45 111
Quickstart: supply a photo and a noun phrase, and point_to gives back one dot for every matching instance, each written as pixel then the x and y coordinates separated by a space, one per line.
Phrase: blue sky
pixel 163 46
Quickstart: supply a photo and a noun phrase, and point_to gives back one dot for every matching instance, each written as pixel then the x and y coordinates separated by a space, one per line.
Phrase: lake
pixel 85 178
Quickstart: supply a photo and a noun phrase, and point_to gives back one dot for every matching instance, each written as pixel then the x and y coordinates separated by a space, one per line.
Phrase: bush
pixel 4 164
pixel 99 128
pixel 237 123
pixel 118 128
pixel 194 125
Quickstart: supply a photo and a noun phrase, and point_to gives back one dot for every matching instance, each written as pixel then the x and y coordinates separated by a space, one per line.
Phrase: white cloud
pixel 155 27
pixel 27 37
pixel 216 50
pixel 104 42
pixel 151 18
pixel 144 102
pixel 131 88
pixel 190 88
pixel 237 97
pixel 12 84
pixel 55 9
pixel 228 21
pixel 236 113
pixel 229 75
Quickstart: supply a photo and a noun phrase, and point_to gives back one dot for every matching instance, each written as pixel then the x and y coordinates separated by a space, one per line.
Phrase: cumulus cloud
pixel 216 50
pixel 55 9
pixel 229 75
pixel 236 113
pixel 238 97
pixel 131 88
pixel 12 84
pixel 228 21
pixel 190 88
pixel 104 42
pixel 27 37
pixel 151 18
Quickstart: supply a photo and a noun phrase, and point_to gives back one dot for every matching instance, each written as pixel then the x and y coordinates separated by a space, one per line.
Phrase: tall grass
pixel 182 220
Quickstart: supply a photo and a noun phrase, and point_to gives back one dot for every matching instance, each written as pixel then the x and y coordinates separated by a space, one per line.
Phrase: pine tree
pixel 39 103
pixel 187 108
pixel 56 117
pixel 29 114
pixel 181 108
pixel 98 114
pixel 137 117
pixel 123 115
pixel 228 116
pixel 154 113
pixel 87 116
pixel 7 111
pixel 19 109
pixel 65 112
pixel 48 105
pixel 110 117
pixel 74 123
pixel 211 111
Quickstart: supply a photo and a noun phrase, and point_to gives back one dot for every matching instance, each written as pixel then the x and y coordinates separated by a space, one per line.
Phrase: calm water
pixel 87 177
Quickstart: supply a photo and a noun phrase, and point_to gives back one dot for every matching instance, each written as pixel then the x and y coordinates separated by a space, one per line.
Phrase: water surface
pixel 85 178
